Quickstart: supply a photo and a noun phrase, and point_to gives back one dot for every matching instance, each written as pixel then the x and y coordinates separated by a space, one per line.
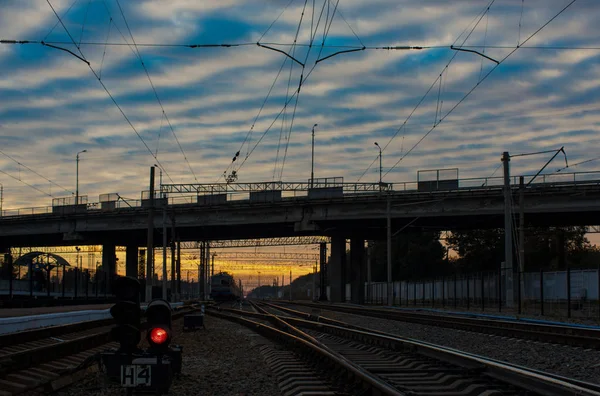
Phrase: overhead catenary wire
pixel 476 20
pixel 87 10
pixel 36 173
pixel 164 113
pixel 253 44
pixel 249 134
pixel 109 94
pixel 576 164
pixel 293 49
pixel 479 83
pixel 58 23
pixel 27 184
pixel 304 79
pixel 297 98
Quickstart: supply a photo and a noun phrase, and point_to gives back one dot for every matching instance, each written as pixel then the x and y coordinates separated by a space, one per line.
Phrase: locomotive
pixel 223 287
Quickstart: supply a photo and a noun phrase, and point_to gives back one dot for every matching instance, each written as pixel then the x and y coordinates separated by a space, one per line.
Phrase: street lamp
pixel 312 167
pixel 77 177
pixel 380 166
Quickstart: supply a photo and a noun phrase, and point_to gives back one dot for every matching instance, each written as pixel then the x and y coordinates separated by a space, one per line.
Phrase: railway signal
pixel 158 314
pixel 127 314
pixel 150 370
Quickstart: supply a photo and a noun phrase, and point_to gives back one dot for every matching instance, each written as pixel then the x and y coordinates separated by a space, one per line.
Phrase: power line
pixel 476 85
pixel 275 21
pixel 477 20
pixel 576 164
pixel 253 44
pixel 27 184
pixel 31 170
pixel 297 92
pixel 107 91
pixel 156 93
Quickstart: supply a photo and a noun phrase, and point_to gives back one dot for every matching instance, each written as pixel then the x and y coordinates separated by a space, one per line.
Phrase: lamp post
pixel 77 177
pixel 312 166
pixel 380 166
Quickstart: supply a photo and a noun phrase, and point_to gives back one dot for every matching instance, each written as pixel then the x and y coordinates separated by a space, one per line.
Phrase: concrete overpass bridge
pixel 334 209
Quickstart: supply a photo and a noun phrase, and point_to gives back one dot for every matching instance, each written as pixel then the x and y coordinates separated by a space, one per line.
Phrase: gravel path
pixel 221 360
pixel 573 362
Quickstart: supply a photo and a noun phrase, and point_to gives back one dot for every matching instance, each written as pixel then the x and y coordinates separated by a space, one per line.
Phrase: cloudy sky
pixel 192 109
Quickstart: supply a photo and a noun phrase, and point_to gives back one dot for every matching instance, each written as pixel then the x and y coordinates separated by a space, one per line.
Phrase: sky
pixel 53 106
pixel 190 110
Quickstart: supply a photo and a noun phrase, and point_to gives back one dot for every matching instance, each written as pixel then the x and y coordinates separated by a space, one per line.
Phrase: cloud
pixel 52 106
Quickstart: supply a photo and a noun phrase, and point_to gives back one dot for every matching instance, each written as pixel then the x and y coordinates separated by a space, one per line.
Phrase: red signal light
pixel 158 336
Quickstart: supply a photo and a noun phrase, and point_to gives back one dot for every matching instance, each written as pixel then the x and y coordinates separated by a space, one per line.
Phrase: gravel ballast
pixel 573 362
pixel 222 360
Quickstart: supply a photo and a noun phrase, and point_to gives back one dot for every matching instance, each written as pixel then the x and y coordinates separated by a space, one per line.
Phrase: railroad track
pixel 556 334
pixel 380 363
pixel 50 358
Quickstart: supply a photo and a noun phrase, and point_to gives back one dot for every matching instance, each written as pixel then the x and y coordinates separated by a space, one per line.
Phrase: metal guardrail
pixel 237 192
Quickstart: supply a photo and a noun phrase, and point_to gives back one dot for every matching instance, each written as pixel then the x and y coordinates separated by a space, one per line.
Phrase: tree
pixel 547 248
pixel 478 250
pixel 5 272
pixel 414 256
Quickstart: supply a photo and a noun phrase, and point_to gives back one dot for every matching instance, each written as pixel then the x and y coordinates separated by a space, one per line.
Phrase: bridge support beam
pixel 357 261
pixel 131 261
pixel 337 269
pixel 109 264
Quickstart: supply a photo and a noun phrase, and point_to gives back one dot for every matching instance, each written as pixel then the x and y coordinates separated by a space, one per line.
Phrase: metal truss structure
pixel 266 256
pixel 238 243
pixel 16 251
pixel 224 188
pixel 593 229
pixel 275 267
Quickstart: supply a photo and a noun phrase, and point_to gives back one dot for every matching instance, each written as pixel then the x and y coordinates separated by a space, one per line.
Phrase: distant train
pixel 223 287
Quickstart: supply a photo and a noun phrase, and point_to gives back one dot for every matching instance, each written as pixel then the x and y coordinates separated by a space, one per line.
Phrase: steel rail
pixel 377 386
pixel 42 346
pixel 533 380
pixel 564 335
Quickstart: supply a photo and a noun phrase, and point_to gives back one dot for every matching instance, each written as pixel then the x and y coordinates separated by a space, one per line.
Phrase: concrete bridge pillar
pixel 131 261
pixel 337 269
pixel 357 265
pixel 109 264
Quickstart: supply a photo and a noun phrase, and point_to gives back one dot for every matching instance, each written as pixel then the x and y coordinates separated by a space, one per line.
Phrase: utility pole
pixel 164 227
pixel 77 176
pixel 1 197
pixel 521 236
pixel 521 224
pixel 202 272
pixel 380 165
pixel 212 270
pixel 314 278
pixel 312 167
pixel 207 263
pixel 178 269
pixel 150 246
pixel 508 253
pixel 173 268
pixel 369 271
pixel 390 295
pixel 322 272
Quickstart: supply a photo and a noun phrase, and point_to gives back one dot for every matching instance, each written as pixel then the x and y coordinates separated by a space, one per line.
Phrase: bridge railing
pixel 236 192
